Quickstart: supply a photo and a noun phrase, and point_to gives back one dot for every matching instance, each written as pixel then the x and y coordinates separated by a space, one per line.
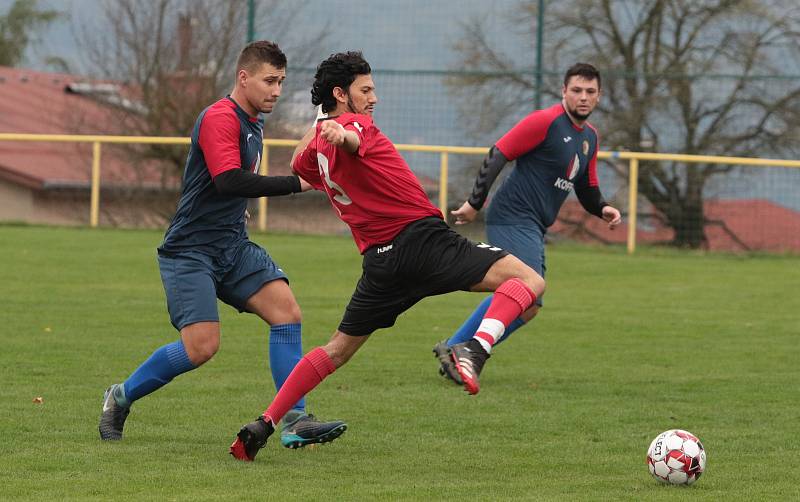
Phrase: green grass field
pixel 627 346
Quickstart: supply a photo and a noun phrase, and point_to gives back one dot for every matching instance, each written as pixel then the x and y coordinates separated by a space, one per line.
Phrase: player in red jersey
pixel 409 252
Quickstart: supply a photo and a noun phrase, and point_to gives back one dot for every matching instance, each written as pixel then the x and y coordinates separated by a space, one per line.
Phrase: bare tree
pixel 175 57
pixel 18 28
pixel 686 76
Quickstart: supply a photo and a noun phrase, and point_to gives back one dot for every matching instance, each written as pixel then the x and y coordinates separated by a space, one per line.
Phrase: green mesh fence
pixel 423 85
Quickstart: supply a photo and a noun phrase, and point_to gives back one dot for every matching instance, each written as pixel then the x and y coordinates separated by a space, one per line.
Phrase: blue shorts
pixel 193 281
pixel 526 242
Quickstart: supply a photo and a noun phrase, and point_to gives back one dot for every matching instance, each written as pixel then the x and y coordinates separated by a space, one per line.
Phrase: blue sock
pixel 160 368
pixel 515 325
pixel 470 326
pixel 285 351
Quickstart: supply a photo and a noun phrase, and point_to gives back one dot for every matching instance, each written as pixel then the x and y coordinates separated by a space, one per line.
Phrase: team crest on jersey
pixel 585 147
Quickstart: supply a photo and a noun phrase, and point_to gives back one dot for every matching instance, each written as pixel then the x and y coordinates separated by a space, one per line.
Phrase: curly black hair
pixel 339 70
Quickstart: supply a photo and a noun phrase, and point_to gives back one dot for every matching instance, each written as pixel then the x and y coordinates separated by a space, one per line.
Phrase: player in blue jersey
pixel 556 151
pixel 206 253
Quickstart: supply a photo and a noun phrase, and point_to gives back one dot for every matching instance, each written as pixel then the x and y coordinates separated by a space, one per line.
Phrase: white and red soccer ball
pixel 676 457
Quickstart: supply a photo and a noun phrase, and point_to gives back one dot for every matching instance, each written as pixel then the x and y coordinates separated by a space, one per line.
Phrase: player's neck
pixel 239 98
pixel 340 110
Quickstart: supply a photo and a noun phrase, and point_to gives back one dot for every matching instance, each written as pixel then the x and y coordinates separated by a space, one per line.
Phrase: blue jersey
pixel 553 156
pixel 224 137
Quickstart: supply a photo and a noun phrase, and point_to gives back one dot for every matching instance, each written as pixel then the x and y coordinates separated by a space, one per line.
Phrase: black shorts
pixel 427 258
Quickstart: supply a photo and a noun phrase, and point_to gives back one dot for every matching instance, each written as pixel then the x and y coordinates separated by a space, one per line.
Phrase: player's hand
pixel 246 216
pixel 332 132
pixel 612 216
pixel 465 214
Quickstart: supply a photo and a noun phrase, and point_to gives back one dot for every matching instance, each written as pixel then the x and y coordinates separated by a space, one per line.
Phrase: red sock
pixel 512 298
pixel 310 371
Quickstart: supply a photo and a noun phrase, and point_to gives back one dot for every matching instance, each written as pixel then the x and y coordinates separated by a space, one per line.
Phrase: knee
pixel 531 280
pixel 535 282
pixel 529 314
pixel 294 313
pixel 201 349
pixel 519 270
pixel 285 311
pixel 205 351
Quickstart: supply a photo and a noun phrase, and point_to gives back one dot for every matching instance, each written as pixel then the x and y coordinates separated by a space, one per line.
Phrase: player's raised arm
pixel 335 134
pixel 241 183
pixel 219 141
pixel 494 162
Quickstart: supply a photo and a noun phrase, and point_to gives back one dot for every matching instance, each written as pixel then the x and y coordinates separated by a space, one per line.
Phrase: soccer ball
pixel 676 457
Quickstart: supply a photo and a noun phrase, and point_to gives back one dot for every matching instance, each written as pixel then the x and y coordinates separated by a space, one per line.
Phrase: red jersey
pixel 373 189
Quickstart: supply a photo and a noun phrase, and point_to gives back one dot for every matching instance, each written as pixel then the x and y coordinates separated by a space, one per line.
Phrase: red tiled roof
pixel 735 225
pixel 38 102
pixel 760 224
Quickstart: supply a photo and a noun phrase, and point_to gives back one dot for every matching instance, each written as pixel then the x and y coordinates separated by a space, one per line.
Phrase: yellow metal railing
pixel 633 159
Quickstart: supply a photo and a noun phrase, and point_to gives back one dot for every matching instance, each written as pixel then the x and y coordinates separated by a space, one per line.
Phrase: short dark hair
pixel 261 51
pixel 584 70
pixel 339 70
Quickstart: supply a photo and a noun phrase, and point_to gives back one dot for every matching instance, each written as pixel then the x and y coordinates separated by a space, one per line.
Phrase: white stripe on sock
pixel 493 328
pixel 484 344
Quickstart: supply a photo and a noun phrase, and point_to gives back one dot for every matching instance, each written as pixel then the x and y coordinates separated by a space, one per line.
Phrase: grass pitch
pixel 626 347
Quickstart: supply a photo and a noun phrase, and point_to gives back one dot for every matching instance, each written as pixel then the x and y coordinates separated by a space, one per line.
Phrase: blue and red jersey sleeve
pixel 528 133
pixel 593 181
pixel 219 140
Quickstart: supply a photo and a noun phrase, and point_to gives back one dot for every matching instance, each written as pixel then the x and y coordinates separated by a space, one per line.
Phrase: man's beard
pixel 579 116
pixel 350 105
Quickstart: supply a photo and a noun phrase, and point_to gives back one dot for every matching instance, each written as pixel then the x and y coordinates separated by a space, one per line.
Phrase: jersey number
pixel 340 197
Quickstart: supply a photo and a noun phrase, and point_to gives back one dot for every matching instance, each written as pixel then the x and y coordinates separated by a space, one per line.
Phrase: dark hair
pixel 339 70
pixel 261 51
pixel 584 70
